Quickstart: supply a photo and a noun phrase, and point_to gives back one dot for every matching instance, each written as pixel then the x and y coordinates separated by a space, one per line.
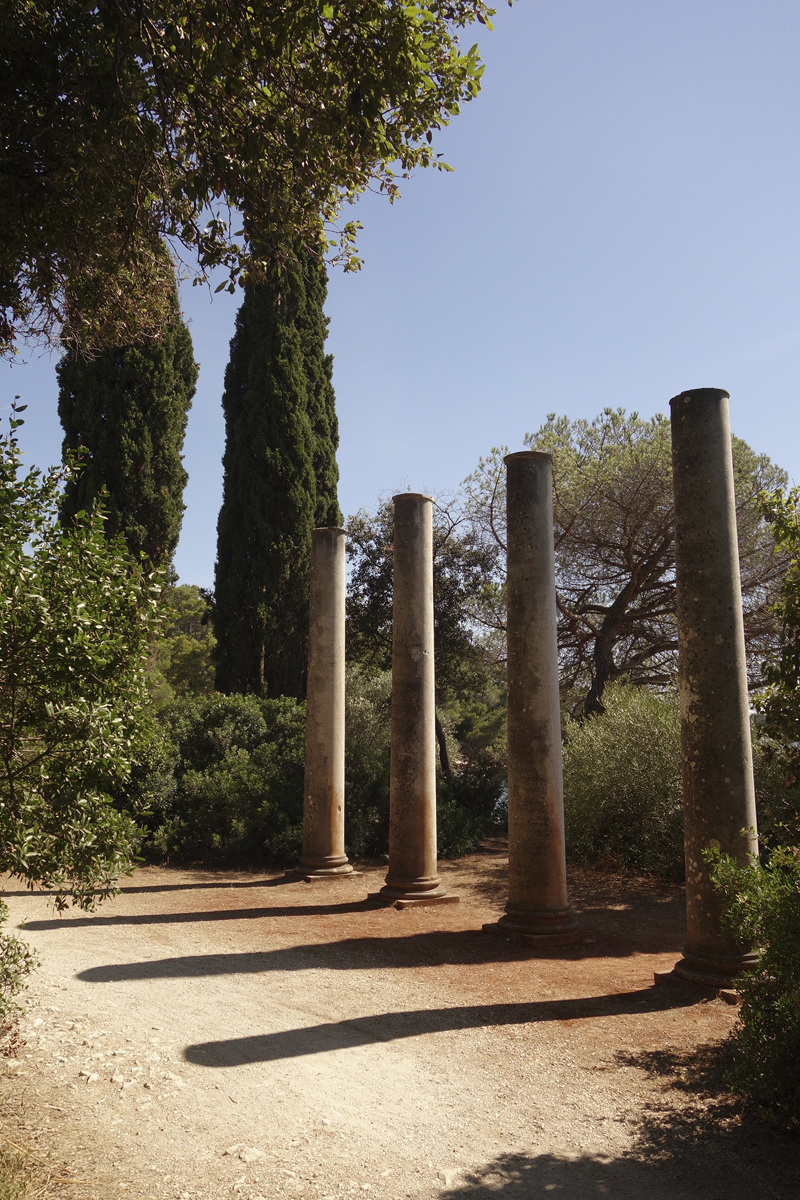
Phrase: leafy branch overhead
pixel 127 121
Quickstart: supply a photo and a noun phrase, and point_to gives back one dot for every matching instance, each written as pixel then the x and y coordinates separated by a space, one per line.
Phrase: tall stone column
pixel 413 876
pixel 718 792
pixel 538 908
pixel 323 793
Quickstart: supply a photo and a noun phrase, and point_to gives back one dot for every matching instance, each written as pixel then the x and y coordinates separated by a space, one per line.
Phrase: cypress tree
pixel 280 478
pixel 128 408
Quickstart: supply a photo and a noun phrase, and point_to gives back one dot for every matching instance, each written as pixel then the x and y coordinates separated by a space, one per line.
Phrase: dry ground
pixel 212 1035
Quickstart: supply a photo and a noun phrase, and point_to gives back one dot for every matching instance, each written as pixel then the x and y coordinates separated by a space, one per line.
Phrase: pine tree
pixel 128 408
pixel 280 478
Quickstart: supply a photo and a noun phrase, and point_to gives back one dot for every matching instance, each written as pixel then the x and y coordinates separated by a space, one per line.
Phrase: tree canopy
pixel 615 553
pixel 128 409
pixel 123 122
pixel 279 481
pixel 780 700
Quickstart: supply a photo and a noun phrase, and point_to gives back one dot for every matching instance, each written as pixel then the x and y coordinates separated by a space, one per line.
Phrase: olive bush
pixel 763 911
pixel 622 783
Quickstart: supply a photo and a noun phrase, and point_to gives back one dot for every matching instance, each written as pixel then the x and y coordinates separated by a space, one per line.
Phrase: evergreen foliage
pixel 280 479
pixel 182 660
pixel 77 618
pixel 127 409
pixel 763 911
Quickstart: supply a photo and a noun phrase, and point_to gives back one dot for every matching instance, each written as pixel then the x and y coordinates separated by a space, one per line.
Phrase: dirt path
pixel 212 1035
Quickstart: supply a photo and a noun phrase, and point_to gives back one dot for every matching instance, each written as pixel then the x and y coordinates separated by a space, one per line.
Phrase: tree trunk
pixel 444 757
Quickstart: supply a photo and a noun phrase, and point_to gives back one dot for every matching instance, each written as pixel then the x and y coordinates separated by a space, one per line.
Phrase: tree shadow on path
pixel 695 1142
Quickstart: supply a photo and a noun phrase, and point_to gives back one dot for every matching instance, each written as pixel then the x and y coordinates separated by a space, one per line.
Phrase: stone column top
pixel 411 496
pixel 329 529
pixel 528 454
pixel 702 394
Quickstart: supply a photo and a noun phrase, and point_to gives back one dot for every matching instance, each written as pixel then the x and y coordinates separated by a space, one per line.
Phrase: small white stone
pixel 234 1149
pixel 251 1155
pixel 93 1078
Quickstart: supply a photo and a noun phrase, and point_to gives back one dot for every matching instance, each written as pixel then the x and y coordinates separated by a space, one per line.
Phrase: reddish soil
pixel 333 1046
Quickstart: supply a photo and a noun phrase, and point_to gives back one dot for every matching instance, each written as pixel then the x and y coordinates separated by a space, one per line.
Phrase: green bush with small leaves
pixel 622 784
pixel 77 619
pixel 763 911
pixel 225 780
pixel 17 960
pixel 623 789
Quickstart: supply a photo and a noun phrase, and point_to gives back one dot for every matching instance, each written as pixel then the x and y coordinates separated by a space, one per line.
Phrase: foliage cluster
pixel 280 480
pixel 181 662
pixel 77 618
pixel 623 791
pixel 623 794
pixel 127 410
pixel 779 703
pixel 615 552
pixel 223 779
pixel 17 960
pixel 763 911
pixel 124 123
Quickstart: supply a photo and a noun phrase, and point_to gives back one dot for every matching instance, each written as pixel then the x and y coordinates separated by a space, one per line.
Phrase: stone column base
pixel 416 893
pixel 414 901
pixel 705 971
pixel 334 868
pixel 541 927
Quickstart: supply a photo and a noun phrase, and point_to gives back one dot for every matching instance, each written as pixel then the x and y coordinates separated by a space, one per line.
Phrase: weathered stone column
pixel 718 792
pixel 323 794
pixel 537 908
pixel 413 877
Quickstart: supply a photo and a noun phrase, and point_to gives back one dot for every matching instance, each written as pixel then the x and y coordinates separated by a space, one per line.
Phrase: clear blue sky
pixel 623 222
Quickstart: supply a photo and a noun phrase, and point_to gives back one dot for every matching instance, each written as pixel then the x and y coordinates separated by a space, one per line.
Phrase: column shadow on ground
pixel 214 914
pixel 223 885
pixel 389 1027
pixel 467 947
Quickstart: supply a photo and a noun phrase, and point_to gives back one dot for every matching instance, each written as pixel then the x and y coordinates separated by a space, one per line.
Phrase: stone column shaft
pixel 323 794
pixel 413 874
pixel 538 908
pixel 718 791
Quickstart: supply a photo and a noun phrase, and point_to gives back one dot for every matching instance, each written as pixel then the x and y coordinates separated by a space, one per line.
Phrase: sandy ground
pixel 210 1035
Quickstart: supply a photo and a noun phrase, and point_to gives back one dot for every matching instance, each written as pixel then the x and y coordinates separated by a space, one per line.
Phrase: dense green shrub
pixel 17 960
pixel 368 714
pixel 623 791
pixel 77 618
pixel 472 802
pixel 763 910
pixel 622 783
pixel 225 779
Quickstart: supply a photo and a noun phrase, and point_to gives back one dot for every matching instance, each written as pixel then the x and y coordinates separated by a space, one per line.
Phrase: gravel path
pixel 210 1035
